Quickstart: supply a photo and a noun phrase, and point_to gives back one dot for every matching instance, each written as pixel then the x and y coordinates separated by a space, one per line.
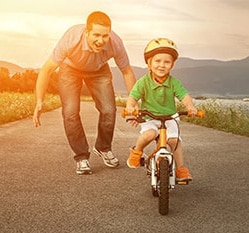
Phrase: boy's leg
pixel 143 140
pixel 182 172
pixel 178 156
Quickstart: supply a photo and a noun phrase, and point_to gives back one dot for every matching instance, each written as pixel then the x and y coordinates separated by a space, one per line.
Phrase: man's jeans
pixel 101 88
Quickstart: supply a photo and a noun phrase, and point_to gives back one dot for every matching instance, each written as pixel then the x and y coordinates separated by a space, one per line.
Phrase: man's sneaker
pixel 134 159
pixel 109 159
pixel 83 167
pixel 182 174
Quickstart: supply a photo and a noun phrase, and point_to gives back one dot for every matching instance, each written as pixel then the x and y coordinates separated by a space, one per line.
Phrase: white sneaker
pixel 83 167
pixel 109 159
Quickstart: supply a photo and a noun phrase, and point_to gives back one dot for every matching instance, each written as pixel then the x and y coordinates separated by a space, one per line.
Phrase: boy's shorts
pixel 172 127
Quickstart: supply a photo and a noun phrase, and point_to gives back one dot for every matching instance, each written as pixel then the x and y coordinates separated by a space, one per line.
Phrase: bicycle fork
pixel 163 153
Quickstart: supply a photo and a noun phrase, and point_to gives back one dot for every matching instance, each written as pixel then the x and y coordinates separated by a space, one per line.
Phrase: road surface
pixel 40 191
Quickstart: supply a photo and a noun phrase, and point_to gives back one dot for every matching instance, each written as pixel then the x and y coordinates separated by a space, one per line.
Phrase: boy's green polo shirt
pixel 158 99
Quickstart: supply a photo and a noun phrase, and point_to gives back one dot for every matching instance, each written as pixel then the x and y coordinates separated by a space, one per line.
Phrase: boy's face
pixel 161 64
pixel 97 37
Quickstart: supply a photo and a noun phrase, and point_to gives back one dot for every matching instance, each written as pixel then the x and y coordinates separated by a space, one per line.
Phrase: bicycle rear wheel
pixel 164 187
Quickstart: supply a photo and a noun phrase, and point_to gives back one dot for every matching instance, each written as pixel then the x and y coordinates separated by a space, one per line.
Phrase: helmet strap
pixel 157 80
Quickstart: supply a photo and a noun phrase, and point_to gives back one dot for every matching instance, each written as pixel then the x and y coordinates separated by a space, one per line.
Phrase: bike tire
pixel 154 192
pixel 164 187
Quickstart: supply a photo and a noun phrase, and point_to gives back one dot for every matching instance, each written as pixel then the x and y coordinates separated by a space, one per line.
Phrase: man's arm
pixel 41 87
pixel 129 77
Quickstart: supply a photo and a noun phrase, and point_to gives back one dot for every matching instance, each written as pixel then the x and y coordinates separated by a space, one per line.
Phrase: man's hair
pixel 98 17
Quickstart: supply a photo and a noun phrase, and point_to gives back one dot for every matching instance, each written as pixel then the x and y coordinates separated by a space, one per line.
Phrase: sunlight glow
pixel 201 29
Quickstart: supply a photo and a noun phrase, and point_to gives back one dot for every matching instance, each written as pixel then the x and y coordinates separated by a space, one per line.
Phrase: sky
pixel 202 29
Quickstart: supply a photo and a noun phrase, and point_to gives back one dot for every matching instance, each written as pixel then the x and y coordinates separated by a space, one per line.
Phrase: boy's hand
pixel 129 110
pixel 192 111
pixel 132 122
pixel 130 118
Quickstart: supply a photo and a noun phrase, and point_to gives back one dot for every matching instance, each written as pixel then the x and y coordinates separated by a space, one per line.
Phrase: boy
pixel 157 91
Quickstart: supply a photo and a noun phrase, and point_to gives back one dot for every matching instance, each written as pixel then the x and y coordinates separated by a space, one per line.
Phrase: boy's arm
pixel 188 103
pixel 131 104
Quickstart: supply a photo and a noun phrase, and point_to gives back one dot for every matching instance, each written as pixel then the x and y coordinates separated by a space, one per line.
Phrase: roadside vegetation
pixel 232 118
pixel 16 106
pixel 229 117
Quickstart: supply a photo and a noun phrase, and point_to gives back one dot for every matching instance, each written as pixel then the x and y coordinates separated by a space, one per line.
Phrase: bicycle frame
pixel 161 152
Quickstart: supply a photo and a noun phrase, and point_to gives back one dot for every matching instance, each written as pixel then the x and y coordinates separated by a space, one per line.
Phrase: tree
pixel 4 78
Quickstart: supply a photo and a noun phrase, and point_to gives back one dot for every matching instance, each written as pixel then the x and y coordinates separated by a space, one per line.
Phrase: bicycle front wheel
pixel 164 187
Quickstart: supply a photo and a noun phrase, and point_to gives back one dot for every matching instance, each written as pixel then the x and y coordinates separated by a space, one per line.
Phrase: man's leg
pixel 70 84
pixel 102 91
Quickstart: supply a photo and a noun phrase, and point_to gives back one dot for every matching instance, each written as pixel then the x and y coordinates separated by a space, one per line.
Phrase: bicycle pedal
pixel 142 161
pixel 148 173
pixel 183 182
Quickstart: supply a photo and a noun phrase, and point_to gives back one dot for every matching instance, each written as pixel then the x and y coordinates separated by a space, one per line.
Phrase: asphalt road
pixel 40 191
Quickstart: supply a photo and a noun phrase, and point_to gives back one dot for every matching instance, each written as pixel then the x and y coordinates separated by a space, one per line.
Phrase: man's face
pixel 97 37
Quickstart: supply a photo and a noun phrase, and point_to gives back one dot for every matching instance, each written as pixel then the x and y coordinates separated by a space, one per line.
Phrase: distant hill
pixel 221 79
pixel 13 69
pixel 208 78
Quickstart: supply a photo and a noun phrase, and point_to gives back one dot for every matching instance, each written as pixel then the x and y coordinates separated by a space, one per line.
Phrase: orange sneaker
pixel 182 174
pixel 134 159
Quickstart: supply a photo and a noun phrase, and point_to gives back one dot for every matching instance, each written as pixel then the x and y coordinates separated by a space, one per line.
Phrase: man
pixel 82 55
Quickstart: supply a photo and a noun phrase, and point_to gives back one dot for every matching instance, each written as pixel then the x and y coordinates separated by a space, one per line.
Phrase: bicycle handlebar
pixel 141 113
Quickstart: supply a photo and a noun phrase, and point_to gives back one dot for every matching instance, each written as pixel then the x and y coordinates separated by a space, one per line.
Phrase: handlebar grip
pixel 125 113
pixel 200 114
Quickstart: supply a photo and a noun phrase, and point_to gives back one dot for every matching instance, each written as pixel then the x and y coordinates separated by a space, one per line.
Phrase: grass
pixel 17 106
pixel 232 118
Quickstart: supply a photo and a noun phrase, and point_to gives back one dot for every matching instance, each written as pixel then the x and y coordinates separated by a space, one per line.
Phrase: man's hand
pixel 37 114
pixel 41 86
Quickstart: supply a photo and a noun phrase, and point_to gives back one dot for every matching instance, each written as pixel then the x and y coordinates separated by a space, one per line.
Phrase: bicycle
pixel 160 163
